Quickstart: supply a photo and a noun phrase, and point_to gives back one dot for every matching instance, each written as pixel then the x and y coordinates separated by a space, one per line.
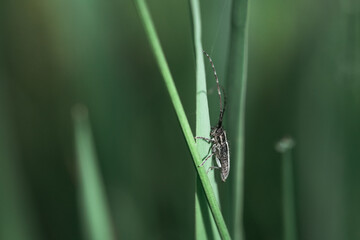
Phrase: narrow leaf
pixel 16 218
pixel 189 137
pixel 285 146
pixel 236 79
pixel 92 198
pixel 203 130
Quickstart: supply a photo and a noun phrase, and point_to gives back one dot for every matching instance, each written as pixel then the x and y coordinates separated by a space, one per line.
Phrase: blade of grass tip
pixel 202 220
pixel 92 200
pixel 285 146
pixel 16 220
pixel 236 83
pixel 169 82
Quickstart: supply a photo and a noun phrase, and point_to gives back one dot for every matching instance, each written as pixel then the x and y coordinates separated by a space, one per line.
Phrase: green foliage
pixel 92 197
pixel 237 84
pixel 169 82
pixel 204 225
pixel 302 81
pixel 284 146
pixel 16 218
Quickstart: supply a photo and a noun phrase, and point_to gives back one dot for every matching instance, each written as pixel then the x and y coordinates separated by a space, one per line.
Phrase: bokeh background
pixel 303 82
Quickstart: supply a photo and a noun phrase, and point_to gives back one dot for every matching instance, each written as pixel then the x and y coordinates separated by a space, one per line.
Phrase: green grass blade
pixel 169 82
pixel 289 217
pixel 204 226
pixel 236 83
pixel 16 218
pixel 95 213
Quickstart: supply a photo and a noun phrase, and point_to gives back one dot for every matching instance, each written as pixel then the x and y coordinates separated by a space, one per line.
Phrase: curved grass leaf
pixel 169 82
pixel 95 213
pixel 236 79
pixel 205 227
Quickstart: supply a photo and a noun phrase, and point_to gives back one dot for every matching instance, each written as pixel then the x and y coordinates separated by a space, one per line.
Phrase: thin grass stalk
pixel 205 227
pixel 236 83
pixel 189 137
pixel 92 200
pixel 16 218
pixel 289 217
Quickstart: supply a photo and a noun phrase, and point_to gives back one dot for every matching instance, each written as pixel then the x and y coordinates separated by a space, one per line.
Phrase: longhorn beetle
pixel 220 145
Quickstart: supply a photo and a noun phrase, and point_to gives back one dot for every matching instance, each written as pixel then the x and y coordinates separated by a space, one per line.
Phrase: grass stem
pixel 169 82
pixel 204 225
pixel 284 146
pixel 236 83
pixel 96 216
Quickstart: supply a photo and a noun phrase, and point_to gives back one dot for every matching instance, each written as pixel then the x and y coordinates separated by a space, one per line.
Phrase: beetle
pixel 218 138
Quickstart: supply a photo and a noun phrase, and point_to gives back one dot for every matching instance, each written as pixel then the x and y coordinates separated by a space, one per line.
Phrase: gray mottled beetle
pixel 220 145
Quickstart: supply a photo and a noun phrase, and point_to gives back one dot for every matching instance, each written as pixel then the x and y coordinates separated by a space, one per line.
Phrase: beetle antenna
pixel 222 110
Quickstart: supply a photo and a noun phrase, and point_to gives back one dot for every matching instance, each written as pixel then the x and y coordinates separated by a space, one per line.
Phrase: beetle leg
pixel 205 139
pixel 212 168
pixel 206 159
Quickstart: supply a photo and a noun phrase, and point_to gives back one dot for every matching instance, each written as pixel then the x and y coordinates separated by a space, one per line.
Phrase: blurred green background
pixel 303 81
